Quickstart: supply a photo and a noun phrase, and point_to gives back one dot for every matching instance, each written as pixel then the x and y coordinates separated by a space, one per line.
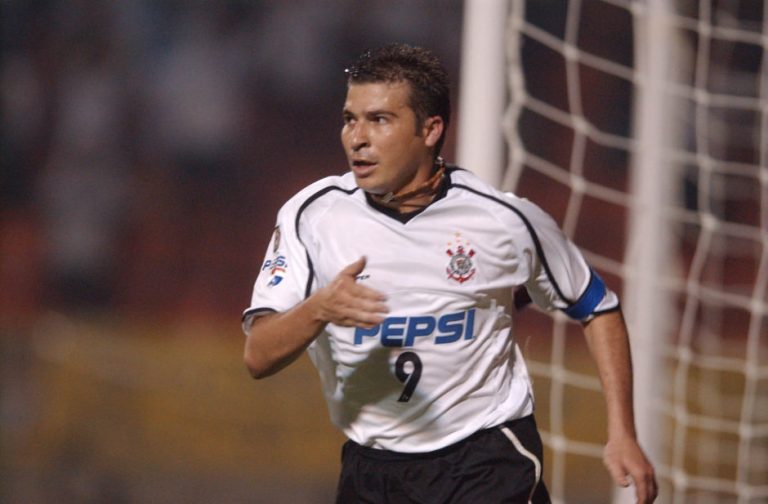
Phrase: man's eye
pixel 380 120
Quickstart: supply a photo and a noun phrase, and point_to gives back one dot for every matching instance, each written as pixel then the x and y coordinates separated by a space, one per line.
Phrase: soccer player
pixel 398 278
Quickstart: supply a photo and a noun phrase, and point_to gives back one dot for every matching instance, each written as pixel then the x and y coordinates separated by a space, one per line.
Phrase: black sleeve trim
pixel 257 311
pixel 307 202
pixel 534 237
pixel 616 308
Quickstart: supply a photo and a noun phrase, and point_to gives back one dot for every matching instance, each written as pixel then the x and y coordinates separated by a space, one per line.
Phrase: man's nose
pixel 359 136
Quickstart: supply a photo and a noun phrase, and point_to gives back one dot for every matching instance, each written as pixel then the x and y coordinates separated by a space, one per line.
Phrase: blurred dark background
pixel 148 144
pixel 146 147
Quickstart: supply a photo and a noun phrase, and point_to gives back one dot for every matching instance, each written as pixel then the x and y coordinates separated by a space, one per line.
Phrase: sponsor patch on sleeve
pixel 277 267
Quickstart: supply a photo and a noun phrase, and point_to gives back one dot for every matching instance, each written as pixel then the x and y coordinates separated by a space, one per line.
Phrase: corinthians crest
pixel 460 267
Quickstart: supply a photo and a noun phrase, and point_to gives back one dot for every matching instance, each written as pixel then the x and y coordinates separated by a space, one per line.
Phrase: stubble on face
pixel 383 141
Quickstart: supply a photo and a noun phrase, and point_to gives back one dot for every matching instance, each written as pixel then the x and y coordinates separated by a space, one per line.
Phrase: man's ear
pixel 433 130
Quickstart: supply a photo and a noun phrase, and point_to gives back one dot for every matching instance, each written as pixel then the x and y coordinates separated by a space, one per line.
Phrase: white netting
pixel 584 137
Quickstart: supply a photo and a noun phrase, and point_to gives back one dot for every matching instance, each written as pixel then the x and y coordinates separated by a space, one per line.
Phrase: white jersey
pixel 444 363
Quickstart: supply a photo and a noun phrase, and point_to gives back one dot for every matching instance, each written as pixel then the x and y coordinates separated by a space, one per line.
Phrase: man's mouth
pixel 362 166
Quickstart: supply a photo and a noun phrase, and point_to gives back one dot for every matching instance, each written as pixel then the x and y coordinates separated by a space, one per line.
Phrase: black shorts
pixel 498 465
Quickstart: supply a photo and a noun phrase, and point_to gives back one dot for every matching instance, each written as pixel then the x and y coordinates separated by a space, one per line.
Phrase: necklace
pixel 429 187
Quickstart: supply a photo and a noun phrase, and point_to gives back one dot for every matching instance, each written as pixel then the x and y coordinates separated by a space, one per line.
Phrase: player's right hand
pixel 347 303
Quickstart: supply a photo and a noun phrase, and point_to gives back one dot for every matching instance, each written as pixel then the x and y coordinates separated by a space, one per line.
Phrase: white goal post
pixel 483 86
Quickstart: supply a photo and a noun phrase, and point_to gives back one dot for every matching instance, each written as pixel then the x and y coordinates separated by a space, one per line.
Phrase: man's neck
pixel 416 198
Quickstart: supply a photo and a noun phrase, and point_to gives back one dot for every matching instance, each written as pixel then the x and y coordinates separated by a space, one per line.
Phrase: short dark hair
pixel 430 86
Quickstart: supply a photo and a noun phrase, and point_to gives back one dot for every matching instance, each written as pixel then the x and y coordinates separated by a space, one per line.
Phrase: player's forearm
pixel 609 344
pixel 274 341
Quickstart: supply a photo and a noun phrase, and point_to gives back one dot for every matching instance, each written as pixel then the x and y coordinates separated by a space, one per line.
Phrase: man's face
pixel 386 149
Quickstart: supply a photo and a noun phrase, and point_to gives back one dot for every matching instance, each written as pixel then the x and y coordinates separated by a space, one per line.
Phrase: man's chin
pixel 369 186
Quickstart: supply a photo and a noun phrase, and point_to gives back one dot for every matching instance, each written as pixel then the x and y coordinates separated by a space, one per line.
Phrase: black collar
pixel 404 217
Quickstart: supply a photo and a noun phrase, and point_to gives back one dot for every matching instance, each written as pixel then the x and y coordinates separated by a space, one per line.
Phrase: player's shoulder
pixel 326 188
pixel 468 184
pixel 496 200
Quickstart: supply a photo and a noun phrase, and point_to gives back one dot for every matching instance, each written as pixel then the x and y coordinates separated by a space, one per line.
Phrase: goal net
pixel 642 127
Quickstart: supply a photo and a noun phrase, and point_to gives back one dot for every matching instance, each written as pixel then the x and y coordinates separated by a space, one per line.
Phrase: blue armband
pixel 589 300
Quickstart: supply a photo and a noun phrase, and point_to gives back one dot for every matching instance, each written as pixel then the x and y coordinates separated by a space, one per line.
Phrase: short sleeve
pixel 560 276
pixel 282 280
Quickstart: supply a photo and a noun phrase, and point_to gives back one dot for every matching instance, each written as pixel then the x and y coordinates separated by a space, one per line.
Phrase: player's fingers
pixel 359 318
pixel 345 291
pixel 645 484
pixel 355 268
pixel 348 306
pixel 366 293
pixel 368 320
pixel 641 492
pixel 641 475
pixel 370 305
pixel 343 308
pixel 654 485
pixel 618 473
pixel 653 490
pixel 348 293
